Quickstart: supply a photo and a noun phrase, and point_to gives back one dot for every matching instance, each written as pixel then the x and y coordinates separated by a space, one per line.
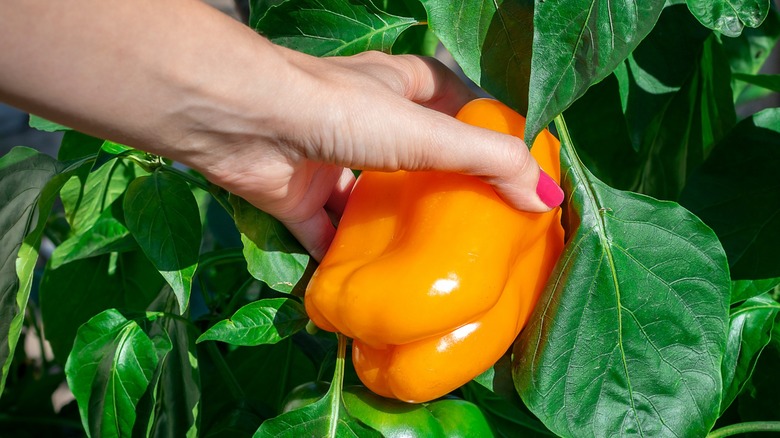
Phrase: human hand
pixel 369 111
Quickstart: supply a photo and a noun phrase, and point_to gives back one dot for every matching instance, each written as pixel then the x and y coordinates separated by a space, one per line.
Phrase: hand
pixel 369 111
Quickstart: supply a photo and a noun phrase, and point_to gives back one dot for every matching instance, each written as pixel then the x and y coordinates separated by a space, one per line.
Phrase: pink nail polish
pixel 549 192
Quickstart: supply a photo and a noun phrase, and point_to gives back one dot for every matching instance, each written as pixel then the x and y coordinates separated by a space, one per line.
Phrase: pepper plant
pixel 173 308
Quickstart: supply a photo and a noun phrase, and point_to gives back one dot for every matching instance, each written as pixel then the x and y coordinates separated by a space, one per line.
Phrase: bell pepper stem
pixel 747 427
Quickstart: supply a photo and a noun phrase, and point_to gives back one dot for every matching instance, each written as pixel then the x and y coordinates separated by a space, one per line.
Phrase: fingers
pixel 314 233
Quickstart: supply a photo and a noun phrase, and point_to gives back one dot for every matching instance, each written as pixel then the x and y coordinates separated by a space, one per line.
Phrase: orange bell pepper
pixel 432 274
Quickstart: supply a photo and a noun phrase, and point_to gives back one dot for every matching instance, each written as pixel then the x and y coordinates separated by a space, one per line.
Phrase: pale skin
pixel 276 127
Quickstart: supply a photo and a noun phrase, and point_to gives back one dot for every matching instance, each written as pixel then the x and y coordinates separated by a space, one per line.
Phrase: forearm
pixel 148 73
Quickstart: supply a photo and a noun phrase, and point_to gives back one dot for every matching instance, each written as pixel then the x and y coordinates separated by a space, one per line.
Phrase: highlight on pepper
pixel 431 274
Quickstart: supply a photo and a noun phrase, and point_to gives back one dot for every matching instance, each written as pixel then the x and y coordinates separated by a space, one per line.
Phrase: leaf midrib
pixel 577 168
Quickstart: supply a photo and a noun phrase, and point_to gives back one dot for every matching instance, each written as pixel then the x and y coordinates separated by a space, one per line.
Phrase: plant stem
pixel 747 427
pixel 336 384
pixel 224 370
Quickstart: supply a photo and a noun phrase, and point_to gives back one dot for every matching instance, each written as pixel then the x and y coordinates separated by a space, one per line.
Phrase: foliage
pixel 173 308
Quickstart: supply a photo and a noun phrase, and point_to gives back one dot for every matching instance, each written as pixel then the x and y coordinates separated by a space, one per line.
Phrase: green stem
pixel 224 371
pixel 336 385
pixel 748 427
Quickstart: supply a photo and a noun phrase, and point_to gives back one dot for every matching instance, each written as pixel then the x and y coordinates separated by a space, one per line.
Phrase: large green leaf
pixel 163 216
pixel 272 254
pixel 737 193
pixel 729 17
pixel 75 292
pixel 491 41
pixel 749 332
pixel 111 365
pixel 29 183
pixel 265 321
pixel 576 44
pixel 629 334
pixel 330 27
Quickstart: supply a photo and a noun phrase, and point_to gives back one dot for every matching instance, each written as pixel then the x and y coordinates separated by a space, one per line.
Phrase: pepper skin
pixel 432 274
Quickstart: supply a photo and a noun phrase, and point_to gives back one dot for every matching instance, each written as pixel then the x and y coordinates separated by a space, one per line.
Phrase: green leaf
pixel 327 417
pixel 272 254
pixel 330 27
pixel 743 289
pixel 629 334
pixel 577 44
pixel 84 203
pixel 73 293
pixel 111 365
pixel 749 332
pixel 29 183
pixel 42 124
pixel 108 234
pixel 262 322
pixel 162 214
pixel 491 42
pixel 737 194
pixel 770 82
pixel 729 17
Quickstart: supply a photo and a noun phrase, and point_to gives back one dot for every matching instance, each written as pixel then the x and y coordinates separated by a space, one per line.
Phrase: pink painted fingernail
pixel 549 192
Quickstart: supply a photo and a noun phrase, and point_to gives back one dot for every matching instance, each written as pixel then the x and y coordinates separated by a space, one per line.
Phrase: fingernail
pixel 548 190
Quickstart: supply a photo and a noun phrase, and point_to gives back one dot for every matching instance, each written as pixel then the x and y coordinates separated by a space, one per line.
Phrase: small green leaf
pixel 577 44
pixel 330 27
pixel 262 322
pixel 272 254
pixel 29 183
pixel 109 369
pixel 729 17
pixel 629 334
pixel 749 332
pixel 42 124
pixel 162 214
pixel 491 41
pixel 737 193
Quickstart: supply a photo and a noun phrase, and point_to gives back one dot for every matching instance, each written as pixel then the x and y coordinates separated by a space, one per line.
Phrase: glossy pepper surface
pixel 432 274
